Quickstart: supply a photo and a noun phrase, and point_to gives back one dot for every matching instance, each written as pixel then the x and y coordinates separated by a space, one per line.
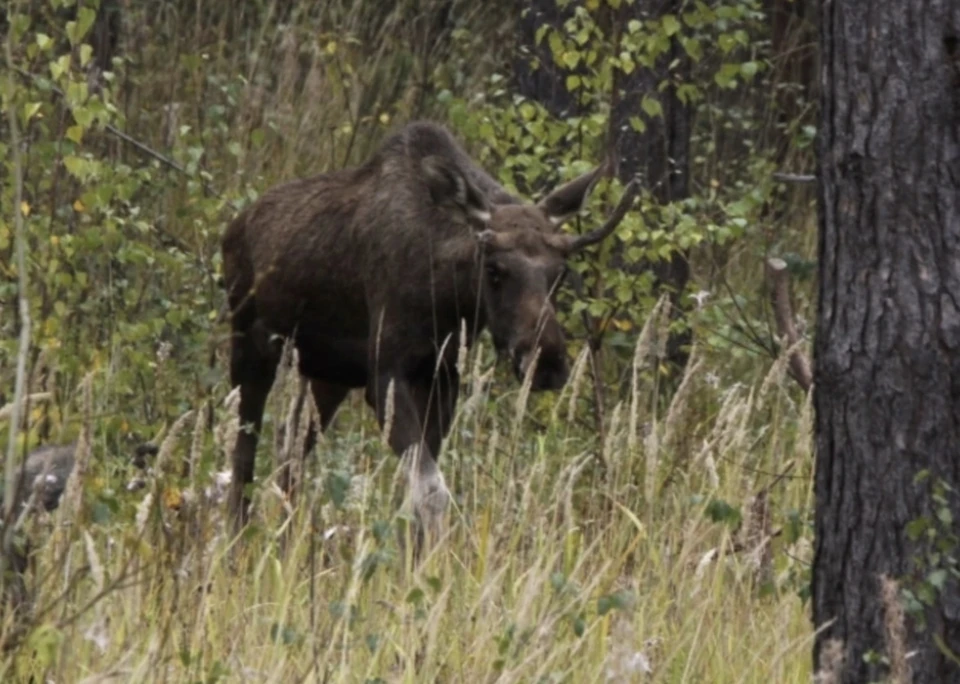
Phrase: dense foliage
pixel 133 158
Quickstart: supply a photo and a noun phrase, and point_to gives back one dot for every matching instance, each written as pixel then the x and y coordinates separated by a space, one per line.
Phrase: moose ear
pixel 447 183
pixel 568 199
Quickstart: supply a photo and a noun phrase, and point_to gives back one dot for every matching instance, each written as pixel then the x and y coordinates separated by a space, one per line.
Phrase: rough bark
pixel 887 357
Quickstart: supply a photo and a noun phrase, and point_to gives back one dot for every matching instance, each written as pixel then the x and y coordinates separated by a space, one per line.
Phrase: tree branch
pixel 786 328
pixel 9 472
pixel 142 147
pixel 794 177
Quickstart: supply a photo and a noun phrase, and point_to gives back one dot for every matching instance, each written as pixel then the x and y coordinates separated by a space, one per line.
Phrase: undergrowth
pixel 561 561
pixel 628 528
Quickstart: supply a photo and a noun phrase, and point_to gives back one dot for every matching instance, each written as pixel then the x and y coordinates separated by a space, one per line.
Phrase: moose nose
pixel 551 371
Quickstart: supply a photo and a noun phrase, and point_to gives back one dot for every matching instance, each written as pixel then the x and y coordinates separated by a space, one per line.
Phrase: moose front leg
pixel 404 426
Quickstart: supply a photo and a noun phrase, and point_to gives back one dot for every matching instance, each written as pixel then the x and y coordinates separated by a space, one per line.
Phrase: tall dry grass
pixel 553 569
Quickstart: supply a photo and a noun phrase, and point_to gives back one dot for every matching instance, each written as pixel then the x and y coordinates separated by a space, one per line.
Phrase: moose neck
pixel 458 283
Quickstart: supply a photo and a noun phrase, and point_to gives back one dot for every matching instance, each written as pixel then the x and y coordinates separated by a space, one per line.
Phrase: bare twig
pixel 6 411
pixel 786 328
pixel 142 147
pixel 794 177
pixel 9 478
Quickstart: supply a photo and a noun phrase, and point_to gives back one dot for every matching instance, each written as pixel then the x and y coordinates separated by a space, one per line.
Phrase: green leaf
pixel 556 45
pixel 670 24
pixel 726 77
pixel 60 66
pixel 945 516
pixel 571 59
pixel 726 42
pixel 651 106
pixel 719 510
pixel 19 26
pixel 749 69
pixel 86 52
pixel 693 48
pixel 337 487
pixel 29 110
pixel 85 19
pixel 540 33
pixel 283 634
pixel 579 626
pixel 372 641
pixel 76 166
pixel 618 600
pixel 938 578
pixel 75 133
pixel 45 642
pixel 573 82
pixel 44 41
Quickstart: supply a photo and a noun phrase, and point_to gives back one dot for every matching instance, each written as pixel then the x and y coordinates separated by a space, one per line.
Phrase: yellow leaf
pixel 172 498
pixel 75 133
pixel 384 118
pixel 331 47
pixel 24 208
pixel 622 324
pixel 29 110
pixel 78 206
pixel 55 240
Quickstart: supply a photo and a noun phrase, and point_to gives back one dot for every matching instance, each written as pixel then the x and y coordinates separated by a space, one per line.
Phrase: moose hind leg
pixel 254 372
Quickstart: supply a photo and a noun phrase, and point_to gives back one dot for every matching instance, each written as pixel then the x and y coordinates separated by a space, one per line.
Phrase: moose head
pixel 522 254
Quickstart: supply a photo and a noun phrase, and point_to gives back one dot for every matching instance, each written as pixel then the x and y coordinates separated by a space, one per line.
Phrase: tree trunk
pixel 536 74
pixel 794 58
pixel 661 153
pixel 887 376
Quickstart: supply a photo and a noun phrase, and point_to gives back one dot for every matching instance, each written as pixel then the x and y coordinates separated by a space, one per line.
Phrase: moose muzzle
pixel 548 350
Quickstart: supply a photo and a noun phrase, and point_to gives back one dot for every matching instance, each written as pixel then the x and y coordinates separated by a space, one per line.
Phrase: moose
pixel 373 272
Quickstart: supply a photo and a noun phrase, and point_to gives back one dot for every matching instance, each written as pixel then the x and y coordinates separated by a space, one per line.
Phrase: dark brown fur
pixel 372 271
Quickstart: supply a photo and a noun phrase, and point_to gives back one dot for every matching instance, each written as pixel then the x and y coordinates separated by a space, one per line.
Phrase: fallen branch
pixel 786 328
pixel 37 397
pixel 794 177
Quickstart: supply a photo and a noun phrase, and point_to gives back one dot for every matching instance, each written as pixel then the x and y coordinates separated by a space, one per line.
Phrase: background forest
pixel 650 522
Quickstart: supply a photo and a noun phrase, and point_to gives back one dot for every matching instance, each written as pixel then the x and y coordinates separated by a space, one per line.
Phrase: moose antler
pixel 579 242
